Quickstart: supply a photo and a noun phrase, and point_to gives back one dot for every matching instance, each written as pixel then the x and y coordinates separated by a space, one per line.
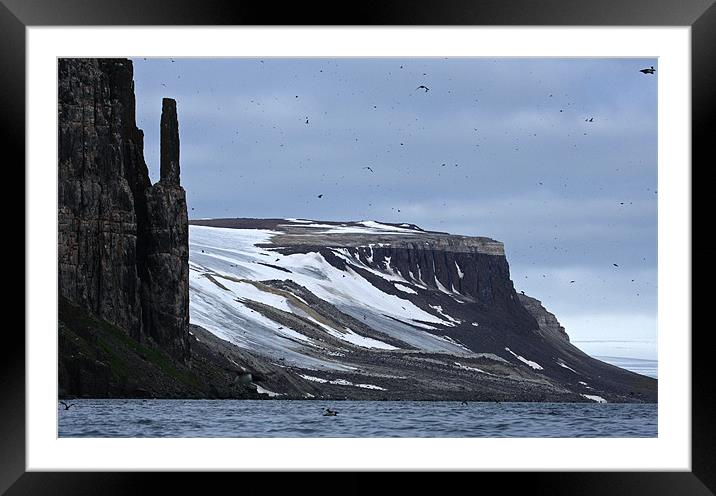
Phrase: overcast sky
pixel 557 158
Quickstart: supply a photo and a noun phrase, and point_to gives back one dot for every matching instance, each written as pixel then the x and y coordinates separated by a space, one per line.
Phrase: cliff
pixel 122 242
pixel 372 310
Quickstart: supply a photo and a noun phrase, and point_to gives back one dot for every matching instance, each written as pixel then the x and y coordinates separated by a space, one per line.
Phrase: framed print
pixel 407 96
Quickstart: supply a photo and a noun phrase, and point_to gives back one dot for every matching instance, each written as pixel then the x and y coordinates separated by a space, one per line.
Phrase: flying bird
pixel 651 70
pixel 615 265
pixel 320 196
pixel 67 407
pixel 571 282
pixel 422 86
pixel 366 167
pixel 591 119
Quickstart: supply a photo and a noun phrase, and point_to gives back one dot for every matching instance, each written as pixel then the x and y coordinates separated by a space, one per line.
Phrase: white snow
pixel 594 397
pixel 340 382
pixel 460 273
pixel 353 260
pixel 440 287
pixel 403 288
pixel 451 340
pixel 362 227
pixel 314 379
pixel 248 291
pixel 439 309
pixel 562 364
pixel 465 367
pixel 226 254
pixel 271 394
pixel 370 386
pixel 352 337
pixel 384 227
pixel 532 364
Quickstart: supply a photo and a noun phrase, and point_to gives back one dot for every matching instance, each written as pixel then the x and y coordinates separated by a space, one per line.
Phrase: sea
pixel 155 418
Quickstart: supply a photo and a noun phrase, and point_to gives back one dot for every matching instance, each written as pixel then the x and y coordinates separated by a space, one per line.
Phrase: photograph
pixel 452 239
pixel 357 247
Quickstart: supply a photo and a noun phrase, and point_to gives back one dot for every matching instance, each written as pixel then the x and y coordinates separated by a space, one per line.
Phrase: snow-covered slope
pixel 368 303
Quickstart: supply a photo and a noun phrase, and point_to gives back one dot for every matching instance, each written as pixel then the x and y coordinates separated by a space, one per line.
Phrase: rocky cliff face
pixel 549 326
pixel 458 269
pixel 122 242
pixel 372 310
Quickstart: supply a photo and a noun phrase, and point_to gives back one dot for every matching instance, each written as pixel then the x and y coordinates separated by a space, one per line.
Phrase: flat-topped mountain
pixel 375 310
pixel 360 234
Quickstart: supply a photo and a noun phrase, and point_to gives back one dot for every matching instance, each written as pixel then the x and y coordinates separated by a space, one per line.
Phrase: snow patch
pixel 440 287
pixel 562 364
pixel 261 390
pixel 354 338
pixel 594 397
pixel 455 342
pixel 465 367
pixel 341 382
pixel 460 273
pixel 314 379
pixel 532 364
pixel 439 309
pixel 404 289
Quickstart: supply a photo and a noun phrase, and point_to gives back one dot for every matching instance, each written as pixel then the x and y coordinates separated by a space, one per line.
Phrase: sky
pixel 556 158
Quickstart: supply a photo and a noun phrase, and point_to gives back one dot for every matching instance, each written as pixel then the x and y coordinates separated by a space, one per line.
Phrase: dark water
pixel 277 418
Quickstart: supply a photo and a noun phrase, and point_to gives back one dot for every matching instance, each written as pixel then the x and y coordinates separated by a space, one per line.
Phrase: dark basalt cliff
pixel 513 349
pixel 122 242
pixel 457 267
pixel 548 324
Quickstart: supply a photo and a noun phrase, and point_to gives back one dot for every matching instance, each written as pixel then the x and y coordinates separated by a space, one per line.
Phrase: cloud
pixel 567 197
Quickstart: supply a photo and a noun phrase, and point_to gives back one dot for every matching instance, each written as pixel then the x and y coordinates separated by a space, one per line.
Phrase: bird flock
pixel 265 146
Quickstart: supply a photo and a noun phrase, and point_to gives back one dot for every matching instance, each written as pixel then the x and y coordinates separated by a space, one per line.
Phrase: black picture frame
pixel 700 15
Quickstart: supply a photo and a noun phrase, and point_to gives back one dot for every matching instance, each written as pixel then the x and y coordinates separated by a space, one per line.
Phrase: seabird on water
pixel 422 86
pixel 329 413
